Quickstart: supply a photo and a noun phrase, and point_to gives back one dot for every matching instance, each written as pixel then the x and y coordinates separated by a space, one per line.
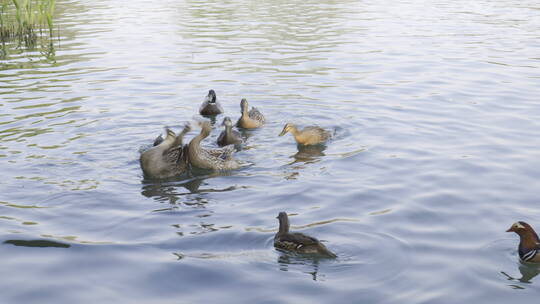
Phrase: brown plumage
pixel 311 135
pixel 167 158
pixel 213 159
pixel 529 243
pixel 250 119
pixel 228 136
pixel 298 242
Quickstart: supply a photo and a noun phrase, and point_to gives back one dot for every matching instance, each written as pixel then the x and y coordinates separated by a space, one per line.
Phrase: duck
pixel 251 119
pixel 228 136
pixel 212 159
pixel 310 135
pixel 529 243
pixel 210 105
pixel 298 242
pixel 168 158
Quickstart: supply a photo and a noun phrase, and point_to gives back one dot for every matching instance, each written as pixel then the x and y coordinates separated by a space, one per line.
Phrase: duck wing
pixel 158 140
pixel 223 153
pixel 317 131
pixel 222 138
pixel 299 238
pixel 255 114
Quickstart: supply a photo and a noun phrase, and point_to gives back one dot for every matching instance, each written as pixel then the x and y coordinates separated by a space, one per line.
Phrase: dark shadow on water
pixel 303 263
pixel 308 154
pixel 170 190
pixel 305 155
pixel 37 243
pixel 528 271
pixel 245 133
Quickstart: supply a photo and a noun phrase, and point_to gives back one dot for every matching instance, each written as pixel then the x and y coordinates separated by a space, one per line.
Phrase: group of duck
pixel 170 157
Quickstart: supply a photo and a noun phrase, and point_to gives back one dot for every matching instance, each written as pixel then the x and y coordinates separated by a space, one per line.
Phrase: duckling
pixel 529 243
pixel 168 158
pixel 213 159
pixel 210 106
pixel 298 242
pixel 228 136
pixel 249 120
pixel 311 135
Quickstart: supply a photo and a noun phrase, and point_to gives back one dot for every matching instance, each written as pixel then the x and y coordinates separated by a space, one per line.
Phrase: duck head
pixel 287 128
pixel 528 238
pixel 227 122
pixel 211 97
pixel 521 228
pixel 243 105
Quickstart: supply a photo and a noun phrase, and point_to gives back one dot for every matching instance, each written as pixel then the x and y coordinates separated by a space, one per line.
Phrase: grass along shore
pixel 25 20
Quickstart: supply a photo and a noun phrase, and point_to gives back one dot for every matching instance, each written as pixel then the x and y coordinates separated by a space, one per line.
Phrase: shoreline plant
pixel 26 20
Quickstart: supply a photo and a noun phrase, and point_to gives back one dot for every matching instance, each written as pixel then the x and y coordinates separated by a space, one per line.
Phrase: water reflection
pixel 290 262
pixel 309 154
pixel 528 272
pixel 168 190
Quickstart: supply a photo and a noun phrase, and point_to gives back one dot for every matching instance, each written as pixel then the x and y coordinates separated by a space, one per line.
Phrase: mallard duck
pixel 296 241
pixel 213 159
pixel 210 106
pixel 228 136
pixel 311 135
pixel 529 243
pixel 250 119
pixel 168 158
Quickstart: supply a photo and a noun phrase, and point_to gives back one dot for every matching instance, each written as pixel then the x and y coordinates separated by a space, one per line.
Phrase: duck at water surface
pixel 210 105
pixel 529 243
pixel 228 136
pixel 310 135
pixel 166 159
pixel 298 242
pixel 212 159
pixel 250 119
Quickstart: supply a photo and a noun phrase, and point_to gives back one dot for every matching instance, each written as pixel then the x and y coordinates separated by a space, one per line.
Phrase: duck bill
pixel 283 132
pixel 510 230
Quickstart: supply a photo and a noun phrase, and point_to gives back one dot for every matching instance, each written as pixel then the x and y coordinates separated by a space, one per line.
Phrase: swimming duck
pixel 311 135
pixel 296 241
pixel 210 106
pixel 529 244
pixel 168 158
pixel 250 119
pixel 228 136
pixel 213 159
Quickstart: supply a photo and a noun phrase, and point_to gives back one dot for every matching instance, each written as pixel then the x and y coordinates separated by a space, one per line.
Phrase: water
pixel 436 115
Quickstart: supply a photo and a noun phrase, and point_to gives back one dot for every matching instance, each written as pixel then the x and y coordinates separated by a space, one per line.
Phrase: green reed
pixel 25 19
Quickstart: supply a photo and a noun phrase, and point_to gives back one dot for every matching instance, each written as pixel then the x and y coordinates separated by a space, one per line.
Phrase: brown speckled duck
pixel 311 135
pixel 213 159
pixel 250 119
pixel 529 244
pixel 298 242
pixel 228 136
pixel 210 105
pixel 166 159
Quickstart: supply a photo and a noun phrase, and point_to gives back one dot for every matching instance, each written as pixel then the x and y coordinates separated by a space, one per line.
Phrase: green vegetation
pixel 25 20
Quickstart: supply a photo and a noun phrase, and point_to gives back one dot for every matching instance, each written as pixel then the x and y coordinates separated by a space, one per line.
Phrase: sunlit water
pixel 436 113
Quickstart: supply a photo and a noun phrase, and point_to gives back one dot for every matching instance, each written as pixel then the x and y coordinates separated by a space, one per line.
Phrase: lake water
pixel 435 107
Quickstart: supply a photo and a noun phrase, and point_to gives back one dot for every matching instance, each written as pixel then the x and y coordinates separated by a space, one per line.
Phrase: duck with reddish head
pixel 529 243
